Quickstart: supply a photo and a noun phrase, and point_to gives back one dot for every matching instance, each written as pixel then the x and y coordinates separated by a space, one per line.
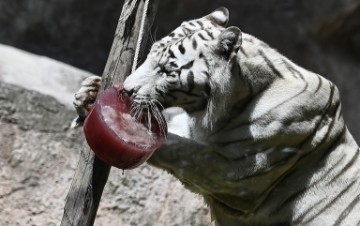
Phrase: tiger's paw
pixel 85 98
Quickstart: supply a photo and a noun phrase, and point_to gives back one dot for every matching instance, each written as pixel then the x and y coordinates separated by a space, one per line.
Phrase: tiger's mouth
pixel 151 108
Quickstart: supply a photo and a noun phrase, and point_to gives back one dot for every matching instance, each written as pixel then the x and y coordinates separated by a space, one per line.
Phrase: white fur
pixel 269 148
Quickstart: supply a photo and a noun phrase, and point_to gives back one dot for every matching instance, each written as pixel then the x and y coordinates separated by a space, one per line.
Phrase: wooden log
pixel 91 174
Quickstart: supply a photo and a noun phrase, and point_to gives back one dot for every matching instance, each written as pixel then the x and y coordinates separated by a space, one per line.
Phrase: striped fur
pixel 271 146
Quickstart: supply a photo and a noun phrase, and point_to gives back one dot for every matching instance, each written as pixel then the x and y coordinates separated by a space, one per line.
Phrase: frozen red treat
pixel 116 136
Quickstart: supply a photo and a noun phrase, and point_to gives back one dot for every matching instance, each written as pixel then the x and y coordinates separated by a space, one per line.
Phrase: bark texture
pixel 92 173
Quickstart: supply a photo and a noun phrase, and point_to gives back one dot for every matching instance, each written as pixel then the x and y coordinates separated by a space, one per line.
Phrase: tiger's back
pixel 296 162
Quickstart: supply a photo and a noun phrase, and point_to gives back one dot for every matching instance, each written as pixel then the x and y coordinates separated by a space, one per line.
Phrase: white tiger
pixel 267 141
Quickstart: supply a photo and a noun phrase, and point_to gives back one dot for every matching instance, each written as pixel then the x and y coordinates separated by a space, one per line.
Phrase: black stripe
pixel 291 198
pixel 162 54
pixel 172 34
pixel 347 210
pixel 345 168
pixel 202 37
pixel 210 34
pixel 305 212
pixel 330 204
pixel 302 216
pixel 319 85
pixel 181 49
pixel 328 133
pixel 275 107
pixel 285 101
pixel 171 54
pixel 188 65
pixel 206 73
pixel 206 62
pixel 336 142
pixel 213 23
pixel 177 72
pixel 292 69
pixel 190 81
pixel 330 101
pixel 207 88
pixel 323 142
pixel 159 91
pixel 173 64
pixel 200 24
pixel 270 64
pixel 194 43
pixel 186 30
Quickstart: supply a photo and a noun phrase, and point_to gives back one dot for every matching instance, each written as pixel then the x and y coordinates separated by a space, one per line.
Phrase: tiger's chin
pixel 199 111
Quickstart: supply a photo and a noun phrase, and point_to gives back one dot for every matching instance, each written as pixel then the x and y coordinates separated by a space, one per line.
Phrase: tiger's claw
pixel 84 99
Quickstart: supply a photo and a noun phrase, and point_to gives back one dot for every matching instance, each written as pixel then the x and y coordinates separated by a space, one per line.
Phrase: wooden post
pixel 91 174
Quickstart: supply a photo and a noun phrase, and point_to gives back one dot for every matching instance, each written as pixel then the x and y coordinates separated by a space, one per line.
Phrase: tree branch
pixel 91 174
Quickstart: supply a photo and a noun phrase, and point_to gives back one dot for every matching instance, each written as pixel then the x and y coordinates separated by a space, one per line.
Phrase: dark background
pixel 320 35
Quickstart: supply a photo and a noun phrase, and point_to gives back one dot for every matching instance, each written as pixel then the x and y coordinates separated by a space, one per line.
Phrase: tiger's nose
pixel 131 91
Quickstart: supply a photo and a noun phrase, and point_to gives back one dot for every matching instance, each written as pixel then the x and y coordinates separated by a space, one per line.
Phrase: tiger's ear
pixel 230 39
pixel 220 16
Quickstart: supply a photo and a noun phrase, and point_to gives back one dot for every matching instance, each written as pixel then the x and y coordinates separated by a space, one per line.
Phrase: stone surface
pixel 38 157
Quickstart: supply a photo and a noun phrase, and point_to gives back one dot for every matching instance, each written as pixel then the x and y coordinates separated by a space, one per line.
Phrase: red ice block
pixel 117 137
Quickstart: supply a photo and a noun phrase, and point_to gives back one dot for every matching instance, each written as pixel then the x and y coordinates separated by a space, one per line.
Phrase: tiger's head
pixel 190 68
